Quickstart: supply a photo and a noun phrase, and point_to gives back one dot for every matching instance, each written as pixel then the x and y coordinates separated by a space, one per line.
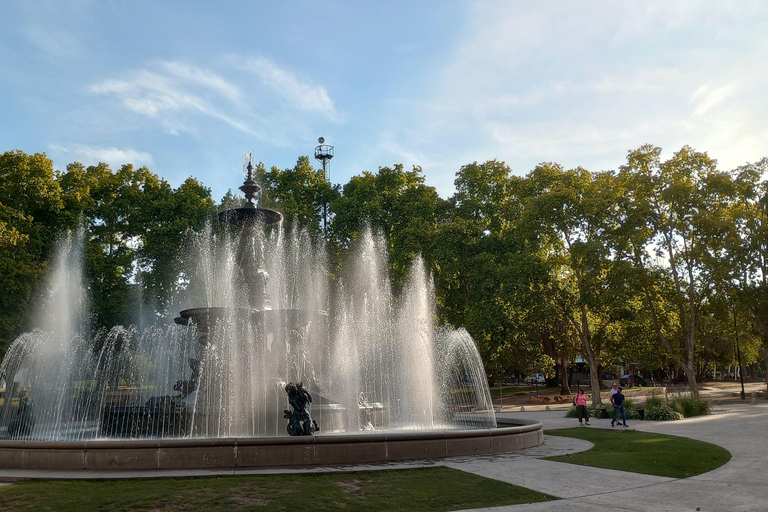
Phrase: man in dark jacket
pixel 618 407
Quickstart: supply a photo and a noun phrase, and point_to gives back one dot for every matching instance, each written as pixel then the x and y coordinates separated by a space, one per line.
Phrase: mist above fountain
pixel 261 312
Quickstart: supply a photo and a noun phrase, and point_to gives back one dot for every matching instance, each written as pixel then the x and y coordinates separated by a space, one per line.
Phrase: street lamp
pixel 738 348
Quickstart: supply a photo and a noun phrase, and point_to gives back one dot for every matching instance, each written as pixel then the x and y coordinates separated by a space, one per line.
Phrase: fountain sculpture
pixel 370 367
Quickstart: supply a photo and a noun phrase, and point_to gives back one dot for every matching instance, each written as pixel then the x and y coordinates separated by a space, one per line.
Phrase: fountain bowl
pixel 268 452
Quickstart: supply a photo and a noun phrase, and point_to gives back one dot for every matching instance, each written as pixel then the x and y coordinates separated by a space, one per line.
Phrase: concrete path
pixel 739 485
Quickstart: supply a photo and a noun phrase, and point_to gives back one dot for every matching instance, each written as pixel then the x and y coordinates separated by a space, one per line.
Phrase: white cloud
pixel 582 85
pixel 302 95
pixel 90 155
pixel 175 89
pixel 195 75
pixel 177 94
pixel 708 96
pixel 149 94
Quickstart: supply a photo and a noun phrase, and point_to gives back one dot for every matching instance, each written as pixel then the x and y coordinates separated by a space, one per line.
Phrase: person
pixel 618 407
pixel 614 390
pixel 581 406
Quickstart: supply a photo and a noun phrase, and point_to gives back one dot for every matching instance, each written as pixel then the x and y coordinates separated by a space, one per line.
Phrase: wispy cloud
pixel 708 96
pixel 195 75
pixel 302 94
pixel 90 155
pixel 539 82
pixel 175 92
pixel 173 89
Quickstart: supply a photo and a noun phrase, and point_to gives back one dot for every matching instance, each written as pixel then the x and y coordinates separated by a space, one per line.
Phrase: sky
pixel 187 88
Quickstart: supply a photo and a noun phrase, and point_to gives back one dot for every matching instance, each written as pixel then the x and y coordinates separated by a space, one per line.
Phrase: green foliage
pixel 614 266
pixel 662 413
pixel 30 219
pixel 653 402
pixel 690 406
pixel 395 203
pixel 136 224
pixel 302 194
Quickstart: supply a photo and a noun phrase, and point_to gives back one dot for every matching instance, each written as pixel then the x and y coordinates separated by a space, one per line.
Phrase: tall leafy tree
pixel 748 250
pixel 136 223
pixel 394 201
pixel 30 220
pixel 301 194
pixel 488 277
pixel 574 209
pixel 676 223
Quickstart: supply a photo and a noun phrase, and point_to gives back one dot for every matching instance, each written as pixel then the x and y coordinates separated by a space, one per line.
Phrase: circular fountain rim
pixel 268 452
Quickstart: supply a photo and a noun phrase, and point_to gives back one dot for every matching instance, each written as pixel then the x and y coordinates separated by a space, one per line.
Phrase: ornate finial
pixel 248 159
pixel 249 188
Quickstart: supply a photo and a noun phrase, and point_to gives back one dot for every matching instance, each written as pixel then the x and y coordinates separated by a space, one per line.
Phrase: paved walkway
pixel 739 485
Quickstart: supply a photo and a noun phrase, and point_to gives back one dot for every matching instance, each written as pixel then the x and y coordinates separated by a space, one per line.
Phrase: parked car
pixel 632 380
pixel 537 378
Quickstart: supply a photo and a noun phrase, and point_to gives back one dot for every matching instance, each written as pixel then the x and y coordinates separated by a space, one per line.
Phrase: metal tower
pixel 324 153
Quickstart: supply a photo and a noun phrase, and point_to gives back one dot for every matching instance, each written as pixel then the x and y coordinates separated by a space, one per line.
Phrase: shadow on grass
pixel 641 452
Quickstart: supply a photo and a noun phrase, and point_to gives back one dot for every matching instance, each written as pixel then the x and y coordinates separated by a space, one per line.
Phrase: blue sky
pixel 187 88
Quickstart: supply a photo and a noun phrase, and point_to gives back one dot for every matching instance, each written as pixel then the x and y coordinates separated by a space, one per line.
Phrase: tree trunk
pixel 565 389
pixel 586 341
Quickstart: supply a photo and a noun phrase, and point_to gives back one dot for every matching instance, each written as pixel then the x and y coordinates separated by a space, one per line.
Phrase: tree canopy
pixel 648 264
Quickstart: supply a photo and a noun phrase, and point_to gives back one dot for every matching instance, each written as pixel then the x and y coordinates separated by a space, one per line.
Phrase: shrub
pixel 662 413
pixel 689 406
pixel 594 412
pixel 653 402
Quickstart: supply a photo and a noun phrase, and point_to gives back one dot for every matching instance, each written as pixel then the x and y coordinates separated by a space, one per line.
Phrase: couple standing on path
pixel 617 400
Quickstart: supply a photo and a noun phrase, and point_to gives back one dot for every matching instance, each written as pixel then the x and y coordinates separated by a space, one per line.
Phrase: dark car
pixel 629 381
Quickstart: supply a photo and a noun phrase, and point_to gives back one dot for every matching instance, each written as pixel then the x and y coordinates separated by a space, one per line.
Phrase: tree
pixel 574 211
pixel 136 223
pixel 301 194
pixel 30 221
pixel 488 277
pixel 675 221
pixel 748 248
pixel 395 202
pixel 168 216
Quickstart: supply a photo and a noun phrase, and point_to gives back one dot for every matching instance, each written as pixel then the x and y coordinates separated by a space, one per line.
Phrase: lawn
pixel 640 452
pixel 428 489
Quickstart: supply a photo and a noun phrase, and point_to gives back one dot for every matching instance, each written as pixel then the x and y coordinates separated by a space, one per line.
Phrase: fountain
pixel 265 329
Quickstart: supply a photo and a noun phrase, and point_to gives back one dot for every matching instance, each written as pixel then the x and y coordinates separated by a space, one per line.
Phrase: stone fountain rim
pixel 263 452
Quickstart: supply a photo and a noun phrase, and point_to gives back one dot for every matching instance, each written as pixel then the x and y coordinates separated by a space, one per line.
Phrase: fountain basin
pixel 269 452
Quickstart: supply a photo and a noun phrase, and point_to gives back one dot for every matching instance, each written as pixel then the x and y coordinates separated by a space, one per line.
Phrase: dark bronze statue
pixel 299 421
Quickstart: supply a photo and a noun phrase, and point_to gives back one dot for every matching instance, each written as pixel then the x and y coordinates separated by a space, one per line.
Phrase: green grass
pixel 437 488
pixel 640 452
